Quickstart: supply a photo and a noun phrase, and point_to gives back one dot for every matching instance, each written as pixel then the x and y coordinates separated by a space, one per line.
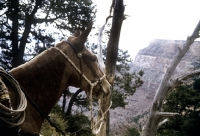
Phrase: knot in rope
pixel 92 85
pixel 94 123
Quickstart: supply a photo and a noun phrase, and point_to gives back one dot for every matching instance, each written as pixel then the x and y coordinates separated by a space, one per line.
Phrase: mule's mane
pixel 60 43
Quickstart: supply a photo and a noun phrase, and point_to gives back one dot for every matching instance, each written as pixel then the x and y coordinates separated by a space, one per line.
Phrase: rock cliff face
pixel 154 61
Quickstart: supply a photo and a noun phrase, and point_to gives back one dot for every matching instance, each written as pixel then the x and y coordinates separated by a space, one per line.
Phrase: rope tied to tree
pixel 93 124
pixel 9 116
pixel 92 85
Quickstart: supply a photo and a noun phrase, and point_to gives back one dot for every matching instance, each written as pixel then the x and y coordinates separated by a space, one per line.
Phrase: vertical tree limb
pixel 111 58
pixel 112 47
pixel 15 26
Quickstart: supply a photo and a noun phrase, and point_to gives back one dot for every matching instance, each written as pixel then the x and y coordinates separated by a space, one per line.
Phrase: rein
pixel 42 113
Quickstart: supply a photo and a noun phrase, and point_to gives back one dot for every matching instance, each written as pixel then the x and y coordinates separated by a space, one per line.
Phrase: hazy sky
pixel 153 19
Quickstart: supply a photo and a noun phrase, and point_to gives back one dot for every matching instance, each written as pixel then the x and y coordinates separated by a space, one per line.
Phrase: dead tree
pixel 167 84
pixel 111 58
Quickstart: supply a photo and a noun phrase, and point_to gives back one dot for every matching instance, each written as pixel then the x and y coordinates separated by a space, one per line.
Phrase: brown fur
pixel 46 77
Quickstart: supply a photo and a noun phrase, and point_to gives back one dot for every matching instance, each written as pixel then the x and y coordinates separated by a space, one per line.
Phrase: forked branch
pixel 167 84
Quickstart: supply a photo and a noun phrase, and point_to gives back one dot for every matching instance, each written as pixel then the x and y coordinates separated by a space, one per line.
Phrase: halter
pixel 23 101
pixel 92 85
pixel 79 55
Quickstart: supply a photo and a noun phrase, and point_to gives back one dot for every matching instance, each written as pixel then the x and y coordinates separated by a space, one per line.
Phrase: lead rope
pixel 93 125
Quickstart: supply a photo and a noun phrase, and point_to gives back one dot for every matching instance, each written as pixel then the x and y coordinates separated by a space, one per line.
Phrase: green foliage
pixel 139 119
pixel 78 122
pixel 32 23
pixel 184 100
pixel 132 132
pixel 196 85
pixel 57 118
pixel 123 60
pixel 125 82
pixel 129 82
pixel 118 99
pixel 196 64
pixel 79 125
pixel 124 85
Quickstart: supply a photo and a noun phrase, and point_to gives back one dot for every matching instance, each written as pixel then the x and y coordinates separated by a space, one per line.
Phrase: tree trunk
pixel 111 59
pixel 69 109
pixel 15 26
pixel 64 100
pixel 18 51
pixel 112 47
pixel 166 85
pixel 22 45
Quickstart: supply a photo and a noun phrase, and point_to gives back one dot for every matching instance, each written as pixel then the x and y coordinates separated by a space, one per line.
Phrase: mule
pixel 46 77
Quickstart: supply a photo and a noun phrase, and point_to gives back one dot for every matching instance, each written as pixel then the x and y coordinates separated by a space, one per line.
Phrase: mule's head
pixel 87 63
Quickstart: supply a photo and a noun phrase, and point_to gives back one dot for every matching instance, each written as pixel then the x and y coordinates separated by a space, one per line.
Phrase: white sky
pixel 152 19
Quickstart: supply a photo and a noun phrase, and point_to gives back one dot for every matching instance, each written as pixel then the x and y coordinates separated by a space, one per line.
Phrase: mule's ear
pixel 83 37
pixel 77 32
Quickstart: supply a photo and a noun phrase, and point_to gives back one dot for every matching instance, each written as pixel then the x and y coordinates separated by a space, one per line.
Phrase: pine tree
pixel 125 83
pixel 184 100
pixel 26 24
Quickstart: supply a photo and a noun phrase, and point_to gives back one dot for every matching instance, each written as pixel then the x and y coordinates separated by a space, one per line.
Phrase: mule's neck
pixel 44 79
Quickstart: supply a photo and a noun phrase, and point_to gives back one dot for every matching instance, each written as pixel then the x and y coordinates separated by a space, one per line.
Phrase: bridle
pixel 92 85
pixel 80 56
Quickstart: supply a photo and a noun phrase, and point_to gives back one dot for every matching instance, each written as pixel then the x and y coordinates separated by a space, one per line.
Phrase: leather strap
pixel 42 113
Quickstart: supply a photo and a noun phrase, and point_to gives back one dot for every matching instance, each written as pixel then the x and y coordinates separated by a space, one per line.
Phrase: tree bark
pixel 112 47
pixel 111 59
pixel 166 85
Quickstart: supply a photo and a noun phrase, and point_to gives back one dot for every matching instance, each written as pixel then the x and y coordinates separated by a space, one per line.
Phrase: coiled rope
pixel 9 116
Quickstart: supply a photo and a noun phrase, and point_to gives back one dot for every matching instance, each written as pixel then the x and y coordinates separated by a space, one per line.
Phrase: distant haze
pixel 152 19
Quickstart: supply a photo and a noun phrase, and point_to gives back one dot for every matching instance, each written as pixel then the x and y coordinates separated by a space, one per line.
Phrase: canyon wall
pixel 153 60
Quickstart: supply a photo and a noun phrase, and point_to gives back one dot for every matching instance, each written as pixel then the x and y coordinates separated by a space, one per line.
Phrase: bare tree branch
pixel 42 20
pixel 167 114
pixel 163 122
pixel 111 58
pixel 167 84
